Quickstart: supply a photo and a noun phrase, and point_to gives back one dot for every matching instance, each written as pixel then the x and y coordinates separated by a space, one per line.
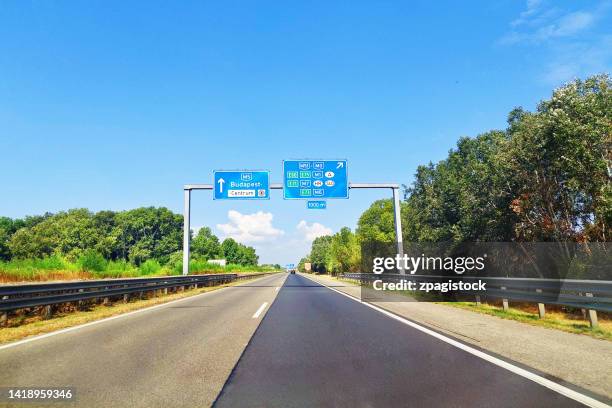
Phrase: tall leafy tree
pixel 206 245
pixel 320 254
pixel 345 251
pixel 237 253
pixel 377 222
pixel 148 233
pixel 65 233
pixel 7 229
pixel 559 161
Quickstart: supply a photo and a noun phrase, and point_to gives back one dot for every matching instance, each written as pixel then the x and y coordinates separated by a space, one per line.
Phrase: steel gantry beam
pixel 278 186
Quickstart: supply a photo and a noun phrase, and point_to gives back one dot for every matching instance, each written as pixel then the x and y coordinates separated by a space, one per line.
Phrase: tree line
pixel 134 236
pixel 545 178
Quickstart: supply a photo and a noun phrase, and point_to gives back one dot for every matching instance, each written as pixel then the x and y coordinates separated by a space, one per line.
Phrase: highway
pixel 178 355
pixel 308 346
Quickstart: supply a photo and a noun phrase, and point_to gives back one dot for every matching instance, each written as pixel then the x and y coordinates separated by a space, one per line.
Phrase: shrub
pixel 51 263
pixel 91 260
pixel 175 262
pixel 149 267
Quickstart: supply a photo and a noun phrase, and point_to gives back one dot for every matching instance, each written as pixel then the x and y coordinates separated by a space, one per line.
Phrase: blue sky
pixel 116 105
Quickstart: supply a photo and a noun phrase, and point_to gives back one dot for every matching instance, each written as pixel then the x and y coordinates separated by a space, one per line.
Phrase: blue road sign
pixel 316 205
pixel 308 179
pixel 241 185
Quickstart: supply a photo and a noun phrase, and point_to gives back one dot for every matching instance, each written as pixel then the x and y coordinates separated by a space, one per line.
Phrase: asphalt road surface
pixel 308 347
pixel 179 355
pixel 318 348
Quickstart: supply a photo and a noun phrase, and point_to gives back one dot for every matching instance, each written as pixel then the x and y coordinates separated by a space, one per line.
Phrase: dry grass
pixel 553 319
pixel 42 276
pixel 34 325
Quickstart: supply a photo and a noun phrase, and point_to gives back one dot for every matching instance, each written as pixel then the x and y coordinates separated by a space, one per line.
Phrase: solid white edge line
pixel 260 310
pixel 106 319
pixel 584 399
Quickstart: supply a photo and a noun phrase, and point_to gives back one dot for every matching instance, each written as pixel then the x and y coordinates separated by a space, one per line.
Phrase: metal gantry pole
pixel 186 231
pixel 399 242
pixel 397 210
pixel 279 186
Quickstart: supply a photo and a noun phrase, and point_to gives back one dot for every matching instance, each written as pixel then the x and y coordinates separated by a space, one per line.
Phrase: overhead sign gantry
pixel 329 177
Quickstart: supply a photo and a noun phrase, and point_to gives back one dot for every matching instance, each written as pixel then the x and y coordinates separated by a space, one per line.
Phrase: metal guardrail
pixel 582 294
pixel 15 297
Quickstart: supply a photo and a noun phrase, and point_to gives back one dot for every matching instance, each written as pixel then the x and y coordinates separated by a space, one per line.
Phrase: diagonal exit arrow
pixel 340 165
pixel 221 181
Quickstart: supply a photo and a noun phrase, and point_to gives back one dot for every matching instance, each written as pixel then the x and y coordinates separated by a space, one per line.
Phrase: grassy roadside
pixel 57 268
pixel 35 325
pixel 528 314
pixel 552 319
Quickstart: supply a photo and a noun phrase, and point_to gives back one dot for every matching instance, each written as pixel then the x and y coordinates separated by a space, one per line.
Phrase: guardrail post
pixel 4 315
pixel 505 301
pixel 47 312
pixel 106 300
pixel 582 310
pixel 165 291
pixel 541 307
pixel 126 297
pixel 592 315
pixel 80 302
pixel 477 300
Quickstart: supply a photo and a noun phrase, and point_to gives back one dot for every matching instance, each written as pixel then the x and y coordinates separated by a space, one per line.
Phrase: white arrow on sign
pixel 340 165
pixel 221 181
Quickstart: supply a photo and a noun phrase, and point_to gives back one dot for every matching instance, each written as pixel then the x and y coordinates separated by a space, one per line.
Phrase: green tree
pixel 65 233
pixel 237 253
pixel 320 254
pixel 559 162
pixel 136 235
pixel 231 250
pixel 7 229
pixel 546 178
pixel 345 251
pixel 377 222
pixel 206 245
pixel 248 256
pixel 462 197
pixel 147 233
